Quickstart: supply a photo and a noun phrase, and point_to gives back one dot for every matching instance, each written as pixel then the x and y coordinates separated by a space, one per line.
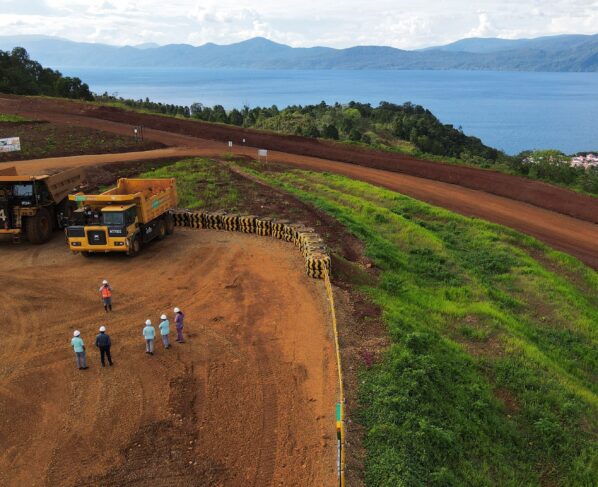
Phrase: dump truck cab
pixel 35 205
pixel 124 218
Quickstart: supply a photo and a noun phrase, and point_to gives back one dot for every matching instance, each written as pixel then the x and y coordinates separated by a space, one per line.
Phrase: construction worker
pixel 149 333
pixel 103 343
pixel 79 348
pixel 106 293
pixel 179 318
pixel 165 330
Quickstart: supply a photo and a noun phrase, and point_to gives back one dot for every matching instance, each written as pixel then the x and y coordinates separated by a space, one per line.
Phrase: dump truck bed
pixel 153 197
pixel 59 184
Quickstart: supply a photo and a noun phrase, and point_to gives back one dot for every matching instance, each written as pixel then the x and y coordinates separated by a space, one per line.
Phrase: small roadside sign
pixel 262 153
pixel 11 144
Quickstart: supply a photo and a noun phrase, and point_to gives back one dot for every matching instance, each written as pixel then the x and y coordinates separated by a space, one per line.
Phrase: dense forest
pixel 387 126
pixel 19 75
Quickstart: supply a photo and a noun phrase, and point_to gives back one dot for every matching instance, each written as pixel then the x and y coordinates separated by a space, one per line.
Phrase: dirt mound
pixel 248 400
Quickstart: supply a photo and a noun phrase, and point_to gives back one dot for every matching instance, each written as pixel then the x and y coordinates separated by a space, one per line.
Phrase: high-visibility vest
pixel 106 293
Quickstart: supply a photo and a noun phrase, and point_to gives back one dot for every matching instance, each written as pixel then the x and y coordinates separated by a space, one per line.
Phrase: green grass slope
pixel 491 375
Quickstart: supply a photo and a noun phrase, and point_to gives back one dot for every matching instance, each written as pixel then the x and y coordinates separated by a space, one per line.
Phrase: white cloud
pixel 399 23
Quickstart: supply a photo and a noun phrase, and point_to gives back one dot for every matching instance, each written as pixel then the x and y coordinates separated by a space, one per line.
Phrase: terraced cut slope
pixel 248 400
pixel 490 378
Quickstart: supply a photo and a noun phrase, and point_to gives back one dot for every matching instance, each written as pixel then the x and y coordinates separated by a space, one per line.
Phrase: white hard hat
pixel 102 328
pixel 177 310
pixel 104 281
pixel 163 317
pixel 148 322
pixel 76 333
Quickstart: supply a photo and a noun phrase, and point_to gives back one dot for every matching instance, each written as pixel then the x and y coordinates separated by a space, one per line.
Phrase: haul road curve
pixel 247 401
pixel 577 236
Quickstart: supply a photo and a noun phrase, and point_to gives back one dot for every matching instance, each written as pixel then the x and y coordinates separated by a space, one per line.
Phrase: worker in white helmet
pixel 104 343
pixel 179 318
pixel 165 330
pixel 79 349
pixel 106 293
pixel 149 333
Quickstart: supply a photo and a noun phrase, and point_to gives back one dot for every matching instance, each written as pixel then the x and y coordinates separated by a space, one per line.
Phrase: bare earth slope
pixel 247 401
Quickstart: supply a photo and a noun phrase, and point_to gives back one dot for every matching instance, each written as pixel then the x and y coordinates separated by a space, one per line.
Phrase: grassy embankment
pixel 490 378
pixel 11 118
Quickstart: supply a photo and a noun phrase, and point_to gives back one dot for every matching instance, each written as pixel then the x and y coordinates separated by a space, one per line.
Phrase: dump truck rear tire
pixel 67 209
pixel 169 224
pixel 39 227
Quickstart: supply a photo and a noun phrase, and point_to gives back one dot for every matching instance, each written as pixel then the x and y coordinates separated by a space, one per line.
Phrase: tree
pixel 330 132
pixel 235 117
pixel 312 131
pixel 355 135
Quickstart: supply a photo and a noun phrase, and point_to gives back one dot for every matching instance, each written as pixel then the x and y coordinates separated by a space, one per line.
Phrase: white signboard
pixel 262 153
pixel 230 143
pixel 10 145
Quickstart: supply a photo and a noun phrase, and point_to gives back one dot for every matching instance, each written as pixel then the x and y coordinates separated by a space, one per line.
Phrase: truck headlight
pixel 76 244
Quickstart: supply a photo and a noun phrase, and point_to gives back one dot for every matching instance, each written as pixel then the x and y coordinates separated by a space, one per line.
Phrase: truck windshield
pixel 22 190
pixel 113 218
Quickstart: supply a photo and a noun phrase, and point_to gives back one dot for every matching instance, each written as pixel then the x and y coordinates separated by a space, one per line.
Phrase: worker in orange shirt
pixel 106 293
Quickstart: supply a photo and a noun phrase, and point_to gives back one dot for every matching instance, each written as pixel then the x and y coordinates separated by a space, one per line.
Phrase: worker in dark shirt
pixel 103 343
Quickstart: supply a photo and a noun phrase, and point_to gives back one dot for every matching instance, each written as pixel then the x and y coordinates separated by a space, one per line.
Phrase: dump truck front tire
pixel 135 247
pixel 39 227
pixel 169 224
pixel 161 230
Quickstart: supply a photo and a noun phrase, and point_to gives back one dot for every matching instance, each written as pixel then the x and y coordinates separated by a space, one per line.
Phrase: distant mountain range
pixel 555 53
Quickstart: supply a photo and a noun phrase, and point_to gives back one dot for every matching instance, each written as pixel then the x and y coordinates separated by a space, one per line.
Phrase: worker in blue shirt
pixel 165 330
pixel 149 333
pixel 79 349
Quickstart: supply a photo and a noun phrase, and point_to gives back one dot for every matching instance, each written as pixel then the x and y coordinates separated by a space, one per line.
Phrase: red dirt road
pixel 577 236
pixel 247 401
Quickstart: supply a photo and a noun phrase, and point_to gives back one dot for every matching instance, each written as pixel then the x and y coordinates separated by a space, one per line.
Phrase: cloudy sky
pixel 399 23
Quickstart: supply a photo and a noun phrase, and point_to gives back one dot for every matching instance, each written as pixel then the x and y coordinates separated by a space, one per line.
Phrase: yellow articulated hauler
pixel 124 218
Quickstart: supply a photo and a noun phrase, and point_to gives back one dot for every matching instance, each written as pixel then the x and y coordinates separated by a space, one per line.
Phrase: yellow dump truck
pixel 33 206
pixel 124 218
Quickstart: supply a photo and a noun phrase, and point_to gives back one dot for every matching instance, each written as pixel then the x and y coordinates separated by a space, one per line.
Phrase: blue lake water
pixel 512 111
